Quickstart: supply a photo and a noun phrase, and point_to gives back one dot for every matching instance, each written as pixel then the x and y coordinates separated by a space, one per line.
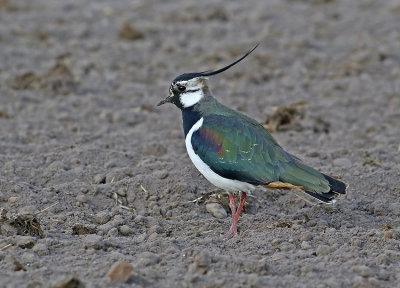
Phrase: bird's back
pixel 239 148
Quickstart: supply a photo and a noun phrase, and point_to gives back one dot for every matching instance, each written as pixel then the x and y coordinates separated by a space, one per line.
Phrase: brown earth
pixel 92 173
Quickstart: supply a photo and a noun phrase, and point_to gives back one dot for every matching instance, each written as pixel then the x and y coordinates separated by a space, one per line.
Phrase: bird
pixel 236 153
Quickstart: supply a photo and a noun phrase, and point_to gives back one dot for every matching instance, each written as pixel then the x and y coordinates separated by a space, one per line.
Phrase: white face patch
pixel 193 93
pixel 191 98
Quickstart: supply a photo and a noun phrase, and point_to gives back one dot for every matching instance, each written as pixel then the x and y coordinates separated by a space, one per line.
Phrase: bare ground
pixel 91 172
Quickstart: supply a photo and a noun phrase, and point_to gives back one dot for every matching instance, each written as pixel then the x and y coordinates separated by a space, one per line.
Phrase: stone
pixel 114 176
pixel 13 263
pixel 305 245
pixel 102 217
pixel 202 259
pixel 125 230
pixel 113 232
pixel 12 200
pixel 69 282
pixel 363 270
pixel 306 236
pixel 382 260
pixel 153 236
pixel 93 241
pixel 81 198
pixel 120 270
pixel 387 235
pixel 147 259
pixel 110 164
pixel 161 174
pixel 41 249
pixel 99 179
pixel 323 250
pixel 216 210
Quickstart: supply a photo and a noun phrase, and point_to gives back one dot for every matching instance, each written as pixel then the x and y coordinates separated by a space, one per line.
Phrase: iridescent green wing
pixel 241 150
pixel 237 150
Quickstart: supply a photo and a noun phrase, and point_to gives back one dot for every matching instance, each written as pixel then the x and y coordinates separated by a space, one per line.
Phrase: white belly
pixel 221 182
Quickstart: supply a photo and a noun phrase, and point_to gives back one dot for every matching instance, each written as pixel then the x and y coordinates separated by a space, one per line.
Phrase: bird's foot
pixel 235 213
pixel 232 232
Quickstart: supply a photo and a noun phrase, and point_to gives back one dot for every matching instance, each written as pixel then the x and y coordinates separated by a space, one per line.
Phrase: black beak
pixel 166 100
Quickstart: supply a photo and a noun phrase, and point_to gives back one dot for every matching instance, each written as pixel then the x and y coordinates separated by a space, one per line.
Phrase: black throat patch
pixel 189 117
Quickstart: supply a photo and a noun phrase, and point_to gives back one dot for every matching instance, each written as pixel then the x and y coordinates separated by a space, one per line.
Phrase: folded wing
pixel 242 150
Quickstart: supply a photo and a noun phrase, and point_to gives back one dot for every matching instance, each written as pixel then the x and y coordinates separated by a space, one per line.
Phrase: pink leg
pixel 235 214
pixel 233 230
pixel 241 204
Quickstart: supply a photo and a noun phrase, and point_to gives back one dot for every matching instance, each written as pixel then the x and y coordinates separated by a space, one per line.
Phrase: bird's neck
pixel 190 116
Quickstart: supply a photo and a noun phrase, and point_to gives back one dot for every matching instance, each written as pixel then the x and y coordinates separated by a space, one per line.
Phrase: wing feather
pixel 241 150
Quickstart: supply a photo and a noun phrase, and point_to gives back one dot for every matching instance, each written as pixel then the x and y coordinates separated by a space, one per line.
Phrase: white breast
pixel 221 182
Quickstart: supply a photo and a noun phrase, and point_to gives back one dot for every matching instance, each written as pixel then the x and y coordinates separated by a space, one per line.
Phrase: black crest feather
pixel 188 76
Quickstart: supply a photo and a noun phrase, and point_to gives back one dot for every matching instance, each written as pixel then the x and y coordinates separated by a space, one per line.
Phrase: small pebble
pixel 306 236
pixel 387 235
pixel 41 249
pixel 305 245
pixel 130 196
pixel 202 259
pixel 99 179
pixel 58 165
pixel 354 241
pixel 12 200
pixel 121 192
pixel 382 260
pixel 93 241
pixel 161 174
pixel 120 270
pixel 102 217
pixel 81 198
pixel 113 232
pixel 363 270
pixel 125 230
pixel 147 259
pixel 323 250
pixel 312 154
pixel 110 164
pixel 275 242
pixel 155 228
pixel 115 176
pixel 70 281
pixel 153 236
pixel 216 210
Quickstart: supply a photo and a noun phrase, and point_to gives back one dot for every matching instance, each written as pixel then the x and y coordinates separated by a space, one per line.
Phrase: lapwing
pixel 236 153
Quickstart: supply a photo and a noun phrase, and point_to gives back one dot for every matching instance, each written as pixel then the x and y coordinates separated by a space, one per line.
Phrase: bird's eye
pixel 181 88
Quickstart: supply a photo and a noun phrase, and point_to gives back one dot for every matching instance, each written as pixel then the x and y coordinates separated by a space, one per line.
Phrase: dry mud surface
pixel 92 173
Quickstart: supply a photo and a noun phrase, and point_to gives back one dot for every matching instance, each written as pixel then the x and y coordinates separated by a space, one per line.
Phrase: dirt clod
pixel 27 80
pixel 70 282
pixel 216 210
pixel 18 266
pixel 80 229
pixel 27 225
pixel 128 32
pixel 57 80
pixel 286 117
pixel 120 270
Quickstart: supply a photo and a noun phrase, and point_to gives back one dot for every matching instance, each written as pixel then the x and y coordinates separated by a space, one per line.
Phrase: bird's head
pixel 188 89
